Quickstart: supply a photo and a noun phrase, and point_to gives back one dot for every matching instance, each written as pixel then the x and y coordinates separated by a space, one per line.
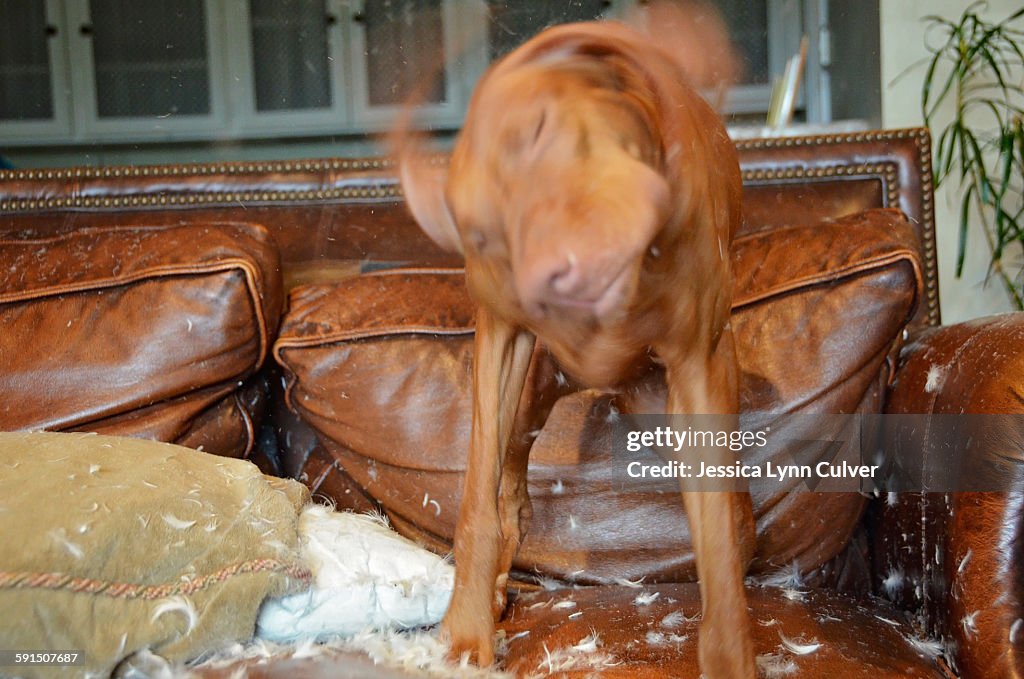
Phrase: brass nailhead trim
pixel 817 140
pixel 887 170
pixel 243 167
pixel 924 152
pixel 327 164
pixel 347 193
pixel 922 142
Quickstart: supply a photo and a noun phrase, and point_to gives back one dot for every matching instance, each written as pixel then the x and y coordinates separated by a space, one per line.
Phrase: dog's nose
pixel 552 278
pixel 564 278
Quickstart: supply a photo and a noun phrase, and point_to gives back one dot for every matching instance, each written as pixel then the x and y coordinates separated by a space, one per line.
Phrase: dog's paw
pixel 468 641
pixel 726 651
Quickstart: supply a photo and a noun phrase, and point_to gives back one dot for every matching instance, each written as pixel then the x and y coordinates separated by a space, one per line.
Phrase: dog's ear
pixel 423 183
pixel 657 197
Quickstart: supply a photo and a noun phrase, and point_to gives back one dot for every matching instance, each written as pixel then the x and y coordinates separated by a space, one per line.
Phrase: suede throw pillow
pixel 114 545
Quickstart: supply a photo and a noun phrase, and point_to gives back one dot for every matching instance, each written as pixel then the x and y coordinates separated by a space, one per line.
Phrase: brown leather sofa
pixel 291 312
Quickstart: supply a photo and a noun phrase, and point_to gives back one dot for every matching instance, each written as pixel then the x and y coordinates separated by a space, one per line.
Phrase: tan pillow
pixel 113 545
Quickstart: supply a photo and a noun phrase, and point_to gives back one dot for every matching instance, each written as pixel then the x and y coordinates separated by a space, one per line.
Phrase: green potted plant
pixel 978 66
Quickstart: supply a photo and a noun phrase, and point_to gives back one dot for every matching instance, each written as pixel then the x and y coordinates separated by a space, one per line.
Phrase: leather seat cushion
pixel 138 330
pixel 651 633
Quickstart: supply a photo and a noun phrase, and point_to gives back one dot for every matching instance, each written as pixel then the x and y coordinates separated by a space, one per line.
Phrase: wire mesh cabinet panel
pixel 287 61
pixel 426 51
pixel 33 75
pixel 147 68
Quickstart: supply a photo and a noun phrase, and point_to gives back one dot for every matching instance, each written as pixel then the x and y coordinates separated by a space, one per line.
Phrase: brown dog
pixel 594 196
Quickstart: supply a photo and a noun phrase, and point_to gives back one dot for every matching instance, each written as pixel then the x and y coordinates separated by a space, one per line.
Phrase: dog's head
pixel 557 187
pixel 553 192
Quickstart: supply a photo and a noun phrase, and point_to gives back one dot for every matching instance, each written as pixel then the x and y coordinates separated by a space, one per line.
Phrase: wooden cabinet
pixel 287 73
pixel 402 50
pixel 151 70
pixel 128 71
pixel 34 101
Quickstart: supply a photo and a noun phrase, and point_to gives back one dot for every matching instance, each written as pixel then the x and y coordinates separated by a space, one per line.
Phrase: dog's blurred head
pixel 558 187
pixel 555 185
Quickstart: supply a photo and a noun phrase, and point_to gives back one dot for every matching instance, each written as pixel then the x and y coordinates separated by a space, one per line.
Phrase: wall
pixel 903 55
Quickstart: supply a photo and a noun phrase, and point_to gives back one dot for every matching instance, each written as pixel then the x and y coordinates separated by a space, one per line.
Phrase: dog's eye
pixel 477 239
pixel 540 126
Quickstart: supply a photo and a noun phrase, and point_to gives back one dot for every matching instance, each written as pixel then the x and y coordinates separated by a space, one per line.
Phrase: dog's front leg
pixel 721 521
pixel 500 362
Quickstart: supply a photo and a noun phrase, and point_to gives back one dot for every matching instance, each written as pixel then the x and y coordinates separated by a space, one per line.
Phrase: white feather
pixel 775 665
pixel 646 598
pixel 785 577
pixel 964 561
pixel 177 604
pixel 588 644
pixel 799 647
pixel 59 536
pixel 794 594
pixel 970 623
pixel 674 619
pixel 936 376
pixel 929 648
pixel 176 523
pixel 893 582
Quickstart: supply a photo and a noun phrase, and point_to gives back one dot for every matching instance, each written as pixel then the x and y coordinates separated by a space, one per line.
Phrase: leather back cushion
pixel 137 329
pixel 379 367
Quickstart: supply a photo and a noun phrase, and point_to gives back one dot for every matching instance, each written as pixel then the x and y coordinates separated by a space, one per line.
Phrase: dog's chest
pixel 599 357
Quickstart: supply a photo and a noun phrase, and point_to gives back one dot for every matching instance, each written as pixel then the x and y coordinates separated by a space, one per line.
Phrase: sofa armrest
pixel 958 558
pixel 971 367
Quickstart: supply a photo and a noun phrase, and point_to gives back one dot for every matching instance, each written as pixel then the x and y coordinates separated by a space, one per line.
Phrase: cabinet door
pixel 402 49
pixel 149 70
pixel 763 47
pixel 286 59
pixel 33 79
